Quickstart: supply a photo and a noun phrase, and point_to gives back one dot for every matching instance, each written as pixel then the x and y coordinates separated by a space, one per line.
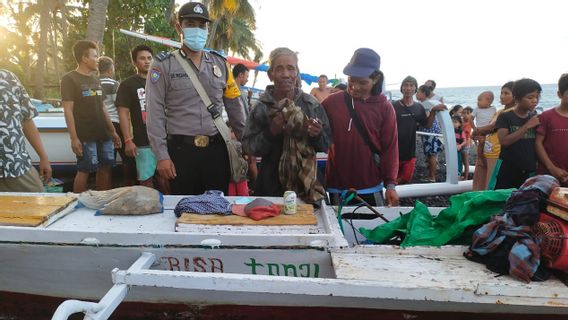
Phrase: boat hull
pixel 25 306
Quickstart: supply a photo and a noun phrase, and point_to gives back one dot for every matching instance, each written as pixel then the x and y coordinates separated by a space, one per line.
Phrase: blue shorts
pixel 146 163
pixel 95 154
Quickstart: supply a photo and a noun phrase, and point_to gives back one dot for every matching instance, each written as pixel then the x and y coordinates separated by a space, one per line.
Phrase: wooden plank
pixel 558 203
pixel 10 200
pixel 304 216
pixel 30 211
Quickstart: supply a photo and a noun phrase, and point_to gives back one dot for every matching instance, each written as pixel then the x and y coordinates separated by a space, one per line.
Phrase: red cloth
pixel 406 170
pixel 238 188
pixel 466 127
pixel 260 209
pixel 350 162
pixel 238 209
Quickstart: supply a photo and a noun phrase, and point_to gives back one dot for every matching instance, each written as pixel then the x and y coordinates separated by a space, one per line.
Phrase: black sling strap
pixel 364 134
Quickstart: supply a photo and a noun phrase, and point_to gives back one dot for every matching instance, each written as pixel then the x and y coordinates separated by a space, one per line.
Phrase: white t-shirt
pixel 483 116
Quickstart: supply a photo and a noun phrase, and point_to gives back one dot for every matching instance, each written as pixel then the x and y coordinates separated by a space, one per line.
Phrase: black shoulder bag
pixel 364 134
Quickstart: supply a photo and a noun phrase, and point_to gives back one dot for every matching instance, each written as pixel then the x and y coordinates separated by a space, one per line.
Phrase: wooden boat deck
pixel 74 225
pixel 444 273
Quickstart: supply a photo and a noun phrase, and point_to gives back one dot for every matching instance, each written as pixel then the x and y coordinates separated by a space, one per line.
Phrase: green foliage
pixel 142 16
pixel 19 41
pixel 233 29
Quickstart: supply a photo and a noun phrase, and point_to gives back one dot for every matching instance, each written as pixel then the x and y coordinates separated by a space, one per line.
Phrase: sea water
pixel 467 96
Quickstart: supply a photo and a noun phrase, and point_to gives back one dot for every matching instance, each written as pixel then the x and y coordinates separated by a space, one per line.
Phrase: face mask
pixel 195 38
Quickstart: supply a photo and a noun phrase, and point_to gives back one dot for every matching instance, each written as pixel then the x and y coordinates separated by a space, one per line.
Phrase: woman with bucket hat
pixel 364 153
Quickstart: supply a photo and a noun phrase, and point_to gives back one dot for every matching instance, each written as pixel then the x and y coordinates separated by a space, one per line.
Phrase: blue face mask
pixel 195 38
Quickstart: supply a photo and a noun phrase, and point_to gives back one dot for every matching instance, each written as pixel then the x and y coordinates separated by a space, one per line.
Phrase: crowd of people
pixel 164 122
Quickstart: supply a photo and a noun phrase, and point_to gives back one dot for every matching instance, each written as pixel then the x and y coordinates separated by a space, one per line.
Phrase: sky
pixel 457 43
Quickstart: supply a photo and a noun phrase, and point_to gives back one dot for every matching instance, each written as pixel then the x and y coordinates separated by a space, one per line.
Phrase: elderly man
pixel 189 148
pixel 270 132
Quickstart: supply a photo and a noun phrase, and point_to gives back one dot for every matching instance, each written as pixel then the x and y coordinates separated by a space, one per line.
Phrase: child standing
pixel 492 148
pixel 481 117
pixel 551 137
pixel 466 127
pixel 516 132
pixel 460 138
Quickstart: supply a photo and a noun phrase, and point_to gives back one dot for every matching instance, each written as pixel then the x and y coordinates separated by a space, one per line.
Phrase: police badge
pixel 216 71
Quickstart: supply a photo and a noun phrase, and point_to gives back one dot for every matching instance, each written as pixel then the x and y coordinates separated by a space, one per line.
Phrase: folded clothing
pixel 260 209
pixel 210 202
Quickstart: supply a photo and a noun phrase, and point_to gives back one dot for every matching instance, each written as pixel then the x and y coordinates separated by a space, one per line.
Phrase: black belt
pixel 197 141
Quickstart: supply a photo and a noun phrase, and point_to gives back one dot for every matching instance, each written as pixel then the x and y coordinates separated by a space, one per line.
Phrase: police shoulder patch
pixel 163 55
pixel 218 54
pixel 155 74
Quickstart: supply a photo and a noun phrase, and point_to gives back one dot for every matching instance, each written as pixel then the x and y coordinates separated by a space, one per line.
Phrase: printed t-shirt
pixel 132 94
pixel 87 96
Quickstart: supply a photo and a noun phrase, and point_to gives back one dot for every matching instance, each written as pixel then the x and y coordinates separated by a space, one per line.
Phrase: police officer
pixel 190 151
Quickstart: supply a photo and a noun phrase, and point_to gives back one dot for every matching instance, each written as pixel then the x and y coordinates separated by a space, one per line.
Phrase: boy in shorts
pixel 93 137
pixel 131 105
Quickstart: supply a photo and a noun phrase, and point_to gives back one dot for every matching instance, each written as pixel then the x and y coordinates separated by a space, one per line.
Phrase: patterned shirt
pixel 15 108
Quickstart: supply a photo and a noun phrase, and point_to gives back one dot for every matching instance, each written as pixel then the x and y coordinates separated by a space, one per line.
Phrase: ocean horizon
pixel 467 96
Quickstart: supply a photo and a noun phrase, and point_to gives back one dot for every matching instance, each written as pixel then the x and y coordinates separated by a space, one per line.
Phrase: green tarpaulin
pixel 453 225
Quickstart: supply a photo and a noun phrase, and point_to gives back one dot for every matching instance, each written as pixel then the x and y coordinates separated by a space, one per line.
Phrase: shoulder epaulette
pixel 218 54
pixel 163 55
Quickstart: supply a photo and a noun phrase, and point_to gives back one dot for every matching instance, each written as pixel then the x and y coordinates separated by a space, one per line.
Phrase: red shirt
pixel 350 162
pixel 466 126
pixel 554 128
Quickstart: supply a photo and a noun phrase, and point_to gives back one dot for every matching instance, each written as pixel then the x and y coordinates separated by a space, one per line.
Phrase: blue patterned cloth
pixel 210 202
pixel 521 212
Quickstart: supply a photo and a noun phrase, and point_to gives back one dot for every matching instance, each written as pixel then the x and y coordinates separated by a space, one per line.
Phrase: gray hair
pixel 279 52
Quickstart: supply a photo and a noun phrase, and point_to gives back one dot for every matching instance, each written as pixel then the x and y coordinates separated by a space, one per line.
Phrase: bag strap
pixel 217 118
pixel 364 134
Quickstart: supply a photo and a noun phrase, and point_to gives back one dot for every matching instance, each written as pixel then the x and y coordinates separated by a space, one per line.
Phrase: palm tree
pixel 97 20
pixel 233 26
pixel 44 16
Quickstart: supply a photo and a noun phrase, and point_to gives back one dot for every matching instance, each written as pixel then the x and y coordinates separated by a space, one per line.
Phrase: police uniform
pixel 181 128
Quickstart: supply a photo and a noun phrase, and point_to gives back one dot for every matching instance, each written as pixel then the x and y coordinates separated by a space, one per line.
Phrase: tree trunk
pixel 55 47
pixel 97 21
pixel 42 50
pixel 211 37
pixel 170 14
pixel 64 24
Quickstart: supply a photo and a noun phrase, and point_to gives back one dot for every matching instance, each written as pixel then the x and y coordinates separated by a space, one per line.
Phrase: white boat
pixel 231 269
pixel 56 142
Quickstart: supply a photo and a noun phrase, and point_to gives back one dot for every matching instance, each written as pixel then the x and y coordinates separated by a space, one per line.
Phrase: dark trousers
pixel 199 168
pixel 128 163
pixel 510 176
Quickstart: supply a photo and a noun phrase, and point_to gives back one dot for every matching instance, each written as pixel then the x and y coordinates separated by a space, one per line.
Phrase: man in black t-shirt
pixel 131 104
pixel 89 125
pixel 409 115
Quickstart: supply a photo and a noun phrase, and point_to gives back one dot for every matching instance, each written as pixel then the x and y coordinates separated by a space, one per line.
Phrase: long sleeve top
pixel 350 161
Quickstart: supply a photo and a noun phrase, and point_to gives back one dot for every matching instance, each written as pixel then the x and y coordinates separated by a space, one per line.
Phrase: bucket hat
pixel 364 62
